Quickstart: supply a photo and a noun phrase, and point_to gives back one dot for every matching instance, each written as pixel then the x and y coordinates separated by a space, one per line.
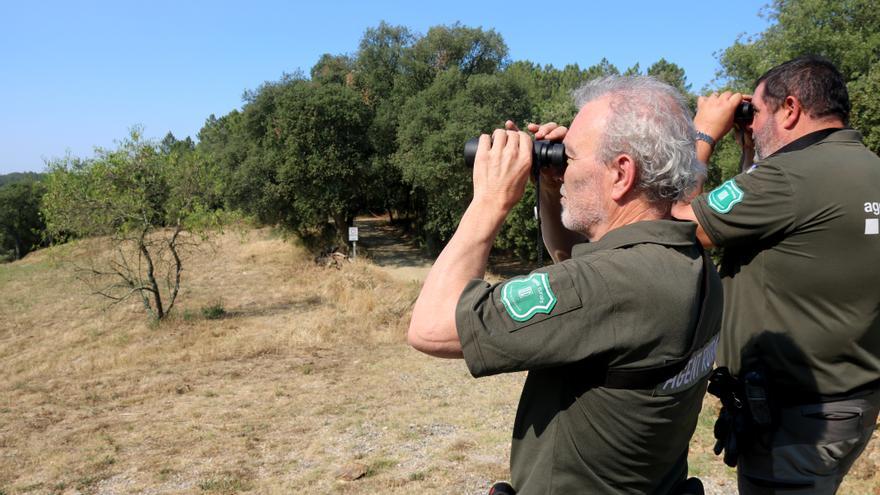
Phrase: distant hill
pixel 20 177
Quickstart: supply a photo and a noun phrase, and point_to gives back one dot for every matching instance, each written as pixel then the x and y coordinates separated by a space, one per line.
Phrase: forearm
pixel 704 152
pixel 557 239
pixel 432 328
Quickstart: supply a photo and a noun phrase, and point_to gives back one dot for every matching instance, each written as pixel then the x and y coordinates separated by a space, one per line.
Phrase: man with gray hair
pixel 619 335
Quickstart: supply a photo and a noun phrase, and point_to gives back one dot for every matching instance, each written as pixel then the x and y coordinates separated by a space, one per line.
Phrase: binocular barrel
pixel 744 113
pixel 544 154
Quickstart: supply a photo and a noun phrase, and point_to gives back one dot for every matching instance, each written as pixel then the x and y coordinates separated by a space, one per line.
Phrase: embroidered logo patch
pixel 723 198
pixel 524 297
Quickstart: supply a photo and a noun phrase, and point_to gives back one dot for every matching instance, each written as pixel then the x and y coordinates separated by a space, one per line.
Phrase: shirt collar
pixel 664 232
pixel 807 140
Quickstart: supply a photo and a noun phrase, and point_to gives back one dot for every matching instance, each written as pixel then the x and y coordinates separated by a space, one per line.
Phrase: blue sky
pixel 75 75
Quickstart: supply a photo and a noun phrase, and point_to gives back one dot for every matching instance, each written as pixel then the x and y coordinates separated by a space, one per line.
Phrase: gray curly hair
pixel 651 122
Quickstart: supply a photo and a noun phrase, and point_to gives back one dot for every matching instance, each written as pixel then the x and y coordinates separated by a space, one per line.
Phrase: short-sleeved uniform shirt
pixel 629 301
pixel 801 264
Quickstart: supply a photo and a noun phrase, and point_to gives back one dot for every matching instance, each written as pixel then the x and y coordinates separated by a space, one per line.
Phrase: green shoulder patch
pixel 524 297
pixel 724 197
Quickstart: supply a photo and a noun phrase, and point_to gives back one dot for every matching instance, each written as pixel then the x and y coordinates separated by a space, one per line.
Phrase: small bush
pixel 214 311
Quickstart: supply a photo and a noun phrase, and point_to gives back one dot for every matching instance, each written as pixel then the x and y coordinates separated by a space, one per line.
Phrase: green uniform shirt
pixel 630 300
pixel 801 264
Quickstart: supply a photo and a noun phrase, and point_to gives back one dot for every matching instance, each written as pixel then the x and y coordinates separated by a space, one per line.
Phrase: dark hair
pixel 814 81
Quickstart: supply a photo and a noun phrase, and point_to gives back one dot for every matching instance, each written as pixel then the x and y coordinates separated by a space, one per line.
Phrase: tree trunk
pixel 17 247
pixel 178 267
pixel 151 278
pixel 339 221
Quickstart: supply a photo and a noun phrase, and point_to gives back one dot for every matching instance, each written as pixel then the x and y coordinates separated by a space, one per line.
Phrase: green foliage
pixel 865 95
pixel 222 147
pixel 378 68
pixel 674 76
pixel 847 32
pixel 434 126
pixel 333 69
pixel 550 89
pixel 170 145
pixel 470 51
pixel 20 177
pixel 21 226
pixel 378 62
pixel 321 153
pixel 382 129
pixel 519 233
pixel 120 190
pixel 214 311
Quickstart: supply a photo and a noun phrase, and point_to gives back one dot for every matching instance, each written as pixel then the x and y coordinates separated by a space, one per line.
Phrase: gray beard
pixel 583 217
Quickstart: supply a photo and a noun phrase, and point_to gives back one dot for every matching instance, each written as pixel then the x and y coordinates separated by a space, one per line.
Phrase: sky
pixel 75 75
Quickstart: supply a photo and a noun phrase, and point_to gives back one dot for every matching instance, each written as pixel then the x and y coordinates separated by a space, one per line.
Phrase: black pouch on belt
pixel 732 424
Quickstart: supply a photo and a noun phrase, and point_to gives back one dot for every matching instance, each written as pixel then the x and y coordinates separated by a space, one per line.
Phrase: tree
pixel 864 93
pixel 171 144
pixel 378 62
pixel 847 32
pixel 434 126
pixel 673 75
pixel 378 72
pixel 324 161
pixel 469 50
pixel 21 226
pixel 147 204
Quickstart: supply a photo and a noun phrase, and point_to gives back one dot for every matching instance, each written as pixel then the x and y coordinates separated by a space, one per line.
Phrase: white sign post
pixel 353 238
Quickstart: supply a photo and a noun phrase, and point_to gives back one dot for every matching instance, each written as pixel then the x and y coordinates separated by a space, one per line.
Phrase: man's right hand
pixel 501 168
pixel 715 113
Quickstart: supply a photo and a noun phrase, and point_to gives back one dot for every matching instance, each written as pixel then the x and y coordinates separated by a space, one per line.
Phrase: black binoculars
pixel 544 154
pixel 744 113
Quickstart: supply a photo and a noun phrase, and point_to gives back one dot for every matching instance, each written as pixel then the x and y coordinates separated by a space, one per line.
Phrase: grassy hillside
pixel 304 386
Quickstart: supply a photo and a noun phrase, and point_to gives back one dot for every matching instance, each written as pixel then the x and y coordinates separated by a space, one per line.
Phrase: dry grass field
pixel 304 385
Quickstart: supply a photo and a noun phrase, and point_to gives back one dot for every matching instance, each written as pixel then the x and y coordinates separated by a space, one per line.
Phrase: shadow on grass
pixel 254 309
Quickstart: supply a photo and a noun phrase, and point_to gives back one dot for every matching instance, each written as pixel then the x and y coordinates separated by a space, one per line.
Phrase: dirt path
pixel 389 247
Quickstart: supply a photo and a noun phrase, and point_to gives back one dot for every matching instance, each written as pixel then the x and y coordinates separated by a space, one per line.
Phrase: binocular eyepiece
pixel 544 154
pixel 744 113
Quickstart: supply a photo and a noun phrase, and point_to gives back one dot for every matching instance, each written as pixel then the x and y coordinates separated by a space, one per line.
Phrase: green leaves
pixel 118 190
pixel 847 32
pixel 865 95
pixel 21 225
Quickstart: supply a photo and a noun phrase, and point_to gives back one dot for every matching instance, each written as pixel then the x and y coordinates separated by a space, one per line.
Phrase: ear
pixel 791 112
pixel 624 175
